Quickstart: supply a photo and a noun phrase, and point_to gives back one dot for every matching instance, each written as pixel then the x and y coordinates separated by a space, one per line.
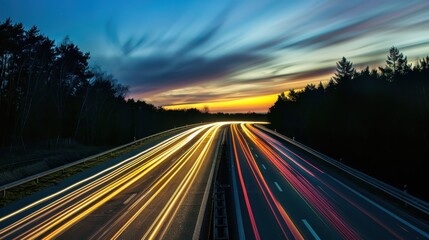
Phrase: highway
pixel 280 194
pixel 155 194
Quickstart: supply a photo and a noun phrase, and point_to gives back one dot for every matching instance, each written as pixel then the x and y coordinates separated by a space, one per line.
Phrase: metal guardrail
pixel 390 190
pixel 220 219
pixel 53 170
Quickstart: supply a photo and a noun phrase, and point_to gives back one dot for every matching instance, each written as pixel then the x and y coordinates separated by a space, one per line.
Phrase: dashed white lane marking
pixel 129 198
pixel 278 186
pixel 264 166
pixel 256 155
pixel 311 229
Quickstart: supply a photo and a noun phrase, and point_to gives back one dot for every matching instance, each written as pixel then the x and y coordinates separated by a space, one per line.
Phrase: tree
pixel 47 92
pixel 37 60
pixel 70 75
pixel 291 96
pixel 344 71
pixel 320 88
pixel 396 64
pixel 206 109
pixel 11 51
pixel 424 64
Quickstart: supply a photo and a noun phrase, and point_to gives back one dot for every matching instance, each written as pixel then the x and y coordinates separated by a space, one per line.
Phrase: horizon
pixel 231 57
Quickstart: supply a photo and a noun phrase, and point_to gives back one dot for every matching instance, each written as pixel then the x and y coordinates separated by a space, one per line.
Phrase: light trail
pixel 165 181
pixel 170 210
pixel 322 196
pixel 75 205
pixel 280 215
pixel 244 189
pixel 308 192
pixel 150 151
pixel 52 215
pixel 330 202
pixel 279 189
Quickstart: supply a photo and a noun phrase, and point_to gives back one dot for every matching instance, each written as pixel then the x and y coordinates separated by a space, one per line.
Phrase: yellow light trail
pixel 172 206
pixel 71 197
pixel 168 176
pixel 149 152
pixel 54 214
pixel 96 200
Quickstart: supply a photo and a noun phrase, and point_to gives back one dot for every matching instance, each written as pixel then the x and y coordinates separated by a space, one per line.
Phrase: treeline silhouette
pixel 375 120
pixel 49 93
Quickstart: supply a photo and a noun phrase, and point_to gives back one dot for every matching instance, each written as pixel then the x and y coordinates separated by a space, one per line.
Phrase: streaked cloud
pixel 200 52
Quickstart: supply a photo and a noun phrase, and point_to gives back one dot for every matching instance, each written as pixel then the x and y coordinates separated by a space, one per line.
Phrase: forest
pixel 375 120
pixel 49 93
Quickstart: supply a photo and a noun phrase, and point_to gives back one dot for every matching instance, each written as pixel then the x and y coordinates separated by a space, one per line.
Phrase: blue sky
pixel 189 52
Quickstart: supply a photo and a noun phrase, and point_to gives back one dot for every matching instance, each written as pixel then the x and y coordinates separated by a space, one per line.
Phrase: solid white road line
pixel 311 229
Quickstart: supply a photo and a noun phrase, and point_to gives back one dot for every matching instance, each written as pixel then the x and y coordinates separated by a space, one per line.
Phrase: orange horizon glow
pixel 258 104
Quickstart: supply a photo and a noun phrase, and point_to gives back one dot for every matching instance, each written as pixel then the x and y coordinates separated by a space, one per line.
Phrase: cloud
pixel 205 36
pixel 190 51
pixel 112 33
pixel 126 47
pixel 155 74
pixel 296 49
pixel 226 90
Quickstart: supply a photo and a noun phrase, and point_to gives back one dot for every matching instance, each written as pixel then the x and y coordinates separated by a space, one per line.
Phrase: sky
pixel 232 56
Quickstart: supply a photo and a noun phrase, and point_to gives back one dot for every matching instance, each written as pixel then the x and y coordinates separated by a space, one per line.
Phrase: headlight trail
pixel 91 186
pixel 151 151
pixel 50 216
pixel 164 181
pixel 281 194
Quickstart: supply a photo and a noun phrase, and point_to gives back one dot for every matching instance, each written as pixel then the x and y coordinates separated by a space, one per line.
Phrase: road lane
pixel 138 197
pixel 280 194
pixel 283 195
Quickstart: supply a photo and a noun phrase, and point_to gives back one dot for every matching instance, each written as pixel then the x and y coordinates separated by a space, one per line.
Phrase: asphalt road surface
pixel 155 194
pixel 279 193
pixel 282 195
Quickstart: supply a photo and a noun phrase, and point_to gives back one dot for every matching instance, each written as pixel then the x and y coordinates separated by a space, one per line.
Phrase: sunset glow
pixel 252 104
pixel 193 53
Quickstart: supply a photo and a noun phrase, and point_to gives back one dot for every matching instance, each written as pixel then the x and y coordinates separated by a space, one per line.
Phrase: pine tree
pixel 320 88
pixel 424 63
pixel 344 71
pixel 396 64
